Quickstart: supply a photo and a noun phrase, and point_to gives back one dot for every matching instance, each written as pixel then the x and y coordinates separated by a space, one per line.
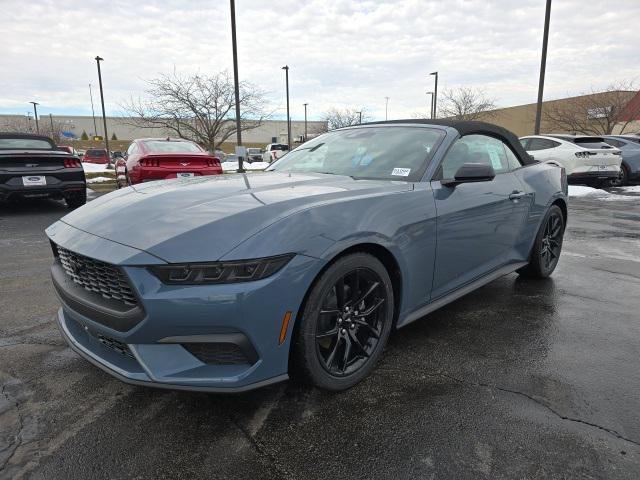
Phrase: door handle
pixel 516 195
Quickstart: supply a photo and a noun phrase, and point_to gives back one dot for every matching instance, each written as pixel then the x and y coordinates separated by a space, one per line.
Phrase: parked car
pixel 96 155
pixel 161 158
pixel 629 145
pixel 68 149
pixel 254 155
pixel 33 166
pixel 588 160
pixel 274 151
pixel 229 284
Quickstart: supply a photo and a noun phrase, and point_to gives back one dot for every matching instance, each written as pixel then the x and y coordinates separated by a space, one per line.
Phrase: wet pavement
pixel 520 379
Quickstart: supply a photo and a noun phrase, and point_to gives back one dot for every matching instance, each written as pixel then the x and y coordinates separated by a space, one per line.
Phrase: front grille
pixel 217 353
pixel 115 345
pixel 95 276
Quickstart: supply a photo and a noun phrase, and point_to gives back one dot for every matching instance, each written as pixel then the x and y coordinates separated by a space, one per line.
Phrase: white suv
pixel 588 160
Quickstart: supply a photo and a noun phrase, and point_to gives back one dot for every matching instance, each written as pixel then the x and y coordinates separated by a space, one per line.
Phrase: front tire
pixel 345 323
pixel 547 246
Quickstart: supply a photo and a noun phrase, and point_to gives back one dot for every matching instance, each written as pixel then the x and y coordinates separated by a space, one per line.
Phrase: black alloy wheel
pixel 350 323
pixel 551 241
pixel 345 323
pixel 547 246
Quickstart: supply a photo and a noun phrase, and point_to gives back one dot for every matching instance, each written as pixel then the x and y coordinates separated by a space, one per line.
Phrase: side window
pixel 615 143
pixel 474 149
pixel 541 144
pixel 525 143
pixel 514 161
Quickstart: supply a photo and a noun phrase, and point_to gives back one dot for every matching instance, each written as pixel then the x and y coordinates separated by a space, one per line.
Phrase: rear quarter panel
pixel 545 185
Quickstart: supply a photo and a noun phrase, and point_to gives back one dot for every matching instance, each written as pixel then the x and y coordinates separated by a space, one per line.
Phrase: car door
pixel 478 223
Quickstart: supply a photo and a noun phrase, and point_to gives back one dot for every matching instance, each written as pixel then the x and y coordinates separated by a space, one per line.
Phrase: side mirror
pixel 471 172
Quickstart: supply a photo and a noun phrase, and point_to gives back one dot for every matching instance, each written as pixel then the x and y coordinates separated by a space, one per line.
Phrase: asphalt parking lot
pixel 520 379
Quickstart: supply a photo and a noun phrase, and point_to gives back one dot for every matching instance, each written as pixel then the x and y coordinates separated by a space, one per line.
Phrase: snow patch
pixel 233 166
pixel 99 179
pixel 596 193
pixel 96 167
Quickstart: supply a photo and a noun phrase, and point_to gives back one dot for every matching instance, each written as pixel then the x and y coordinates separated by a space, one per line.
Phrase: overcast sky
pixel 341 53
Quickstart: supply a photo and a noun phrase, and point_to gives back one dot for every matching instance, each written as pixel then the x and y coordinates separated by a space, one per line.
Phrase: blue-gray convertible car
pixel 232 282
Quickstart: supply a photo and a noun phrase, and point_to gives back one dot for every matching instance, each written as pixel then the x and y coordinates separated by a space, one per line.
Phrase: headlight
pixel 220 272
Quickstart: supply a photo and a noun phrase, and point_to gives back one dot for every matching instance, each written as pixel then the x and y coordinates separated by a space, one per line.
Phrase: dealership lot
pixel 520 379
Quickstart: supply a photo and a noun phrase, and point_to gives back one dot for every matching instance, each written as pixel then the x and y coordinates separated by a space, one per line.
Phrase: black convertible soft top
pixel 467 127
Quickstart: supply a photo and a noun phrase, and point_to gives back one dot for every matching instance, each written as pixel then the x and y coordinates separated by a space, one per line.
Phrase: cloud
pixel 341 53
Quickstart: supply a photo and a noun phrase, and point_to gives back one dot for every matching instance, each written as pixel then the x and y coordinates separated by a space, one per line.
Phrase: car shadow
pixel 30 206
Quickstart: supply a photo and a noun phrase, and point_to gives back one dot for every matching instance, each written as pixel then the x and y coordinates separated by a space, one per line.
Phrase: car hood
pixel 191 220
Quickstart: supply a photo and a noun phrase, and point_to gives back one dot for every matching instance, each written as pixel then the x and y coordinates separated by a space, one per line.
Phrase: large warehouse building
pixel 123 128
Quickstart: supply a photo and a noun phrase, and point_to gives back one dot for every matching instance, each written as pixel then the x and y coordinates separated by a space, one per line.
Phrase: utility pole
pixel 35 115
pixel 236 85
pixel 51 120
pixel 543 66
pixel 28 121
pixel 386 109
pixel 430 105
pixel 359 117
pixel 435 96
pixel 286 73
pixel 93 113
pixel 104 117
pixel 305 121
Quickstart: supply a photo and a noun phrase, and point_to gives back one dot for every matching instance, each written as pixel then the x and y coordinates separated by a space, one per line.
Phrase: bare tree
pixel 21 124
pixel 466 103
pixel 198 107
pixel 338 118
pixel 594 113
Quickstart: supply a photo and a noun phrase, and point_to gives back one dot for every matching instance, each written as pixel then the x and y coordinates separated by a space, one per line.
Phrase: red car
pixel 95 155
pixel 160 158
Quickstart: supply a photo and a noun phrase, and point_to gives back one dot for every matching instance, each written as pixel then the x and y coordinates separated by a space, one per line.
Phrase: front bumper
pixel 158 348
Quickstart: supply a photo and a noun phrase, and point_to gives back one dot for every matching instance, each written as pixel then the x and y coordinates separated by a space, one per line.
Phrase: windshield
pixel 280 147
pixel 385 153
pixel 24 144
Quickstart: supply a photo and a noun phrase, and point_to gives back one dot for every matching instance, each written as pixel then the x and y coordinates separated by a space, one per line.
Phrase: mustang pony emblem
pixel 184 164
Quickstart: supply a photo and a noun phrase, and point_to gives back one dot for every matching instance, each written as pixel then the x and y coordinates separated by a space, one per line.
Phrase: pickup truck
pixel 33 166
pixel 274 151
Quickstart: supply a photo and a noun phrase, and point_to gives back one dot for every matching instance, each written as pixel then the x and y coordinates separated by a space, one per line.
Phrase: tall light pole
pixel 93 112
pixel 543 66
pixel 52 132
pixel 104 117
pixel 286 73
pixel 35 115
pixel 430 105
pixel 236 84
pixel 435 96
pixel 305 121
pixel 386 109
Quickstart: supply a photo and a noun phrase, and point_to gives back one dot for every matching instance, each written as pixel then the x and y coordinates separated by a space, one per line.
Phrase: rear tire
pixel 547 246
pixel 622 179
pixel 76 200
pixel 341 336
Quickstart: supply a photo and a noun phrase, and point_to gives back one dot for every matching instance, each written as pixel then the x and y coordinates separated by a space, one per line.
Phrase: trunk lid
pixel 178 160
pixel 18 161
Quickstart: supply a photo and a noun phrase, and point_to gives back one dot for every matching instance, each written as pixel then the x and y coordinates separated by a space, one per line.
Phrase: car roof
pixel 469 127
